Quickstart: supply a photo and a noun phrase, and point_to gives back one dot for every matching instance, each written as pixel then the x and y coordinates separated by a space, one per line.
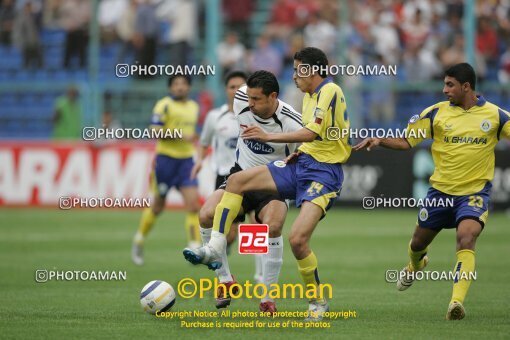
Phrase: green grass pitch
pixel 354 248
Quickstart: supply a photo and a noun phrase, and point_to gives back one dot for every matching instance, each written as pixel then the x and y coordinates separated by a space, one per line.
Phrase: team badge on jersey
pixel 485 126
pixel 156 119
pixel 414 119
pixel 424 214
pixel 280 164
pixel 319 115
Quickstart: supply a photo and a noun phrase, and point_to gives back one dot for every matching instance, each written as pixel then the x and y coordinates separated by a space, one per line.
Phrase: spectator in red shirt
pixel 288 16
pixel 283 19
pixel 237 14
pixel 284 13
pixel 487 41
pixel 415 30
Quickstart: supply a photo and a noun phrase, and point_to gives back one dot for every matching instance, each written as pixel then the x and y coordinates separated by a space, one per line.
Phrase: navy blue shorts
pixel 172 172
pixel 252 200
pixel 308 180
pixel 445 216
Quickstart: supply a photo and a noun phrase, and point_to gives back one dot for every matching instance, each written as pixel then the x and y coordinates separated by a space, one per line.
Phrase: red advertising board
pixel 39 173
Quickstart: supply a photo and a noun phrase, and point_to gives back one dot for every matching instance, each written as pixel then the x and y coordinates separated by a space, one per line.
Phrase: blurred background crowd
pixel 50 41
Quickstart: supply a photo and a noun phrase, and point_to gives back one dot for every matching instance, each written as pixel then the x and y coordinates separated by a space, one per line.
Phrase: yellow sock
pixel 192 227
pixel 465 268
pixel 417 262
pixel 310 274
pixel 146 223
pixel 226 212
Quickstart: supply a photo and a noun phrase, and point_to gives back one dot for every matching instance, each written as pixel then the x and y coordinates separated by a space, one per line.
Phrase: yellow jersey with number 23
pixel 463 143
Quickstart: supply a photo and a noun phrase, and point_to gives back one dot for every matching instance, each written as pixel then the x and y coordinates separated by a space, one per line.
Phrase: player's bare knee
pixel 235 183
pixel 275 226
pixel 194 207
pixel 418 241
pixel 206 216
pixel 466 241
pixel 298 242
pixel 467 233
pixel 417 244
pixel 275 230
pixel 156 211
pixel 275 233
pixel 157 207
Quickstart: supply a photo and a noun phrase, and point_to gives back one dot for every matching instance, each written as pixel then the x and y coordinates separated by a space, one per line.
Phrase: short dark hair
pixel 175 76
pixel 464 73
pixel 265 80
pixel 235 74
pixel 313 56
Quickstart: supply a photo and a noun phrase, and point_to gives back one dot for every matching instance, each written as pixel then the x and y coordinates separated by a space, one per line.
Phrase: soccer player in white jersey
pixel 261 108
pixel 220 131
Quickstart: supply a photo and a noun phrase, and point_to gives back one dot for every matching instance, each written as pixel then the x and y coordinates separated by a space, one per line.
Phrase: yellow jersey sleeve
pixel 504 124
pixel 419 124
pixel 325 113
pixel 321 117
pixel 159 113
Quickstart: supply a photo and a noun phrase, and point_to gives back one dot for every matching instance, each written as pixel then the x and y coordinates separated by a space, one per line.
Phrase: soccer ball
pixel 157 296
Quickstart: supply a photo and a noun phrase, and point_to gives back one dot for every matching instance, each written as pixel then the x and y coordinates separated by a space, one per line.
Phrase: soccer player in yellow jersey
pixel 464 131
pixel 173 162
pixel 313 176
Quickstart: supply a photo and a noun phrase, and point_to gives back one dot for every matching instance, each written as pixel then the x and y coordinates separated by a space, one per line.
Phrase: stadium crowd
pixel 421 37
pixel 418 35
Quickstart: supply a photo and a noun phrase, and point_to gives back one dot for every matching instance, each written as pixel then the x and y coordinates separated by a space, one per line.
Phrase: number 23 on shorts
pixel 475 201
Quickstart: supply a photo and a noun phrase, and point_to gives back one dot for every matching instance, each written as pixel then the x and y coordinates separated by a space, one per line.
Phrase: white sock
pixel 272 263
pixel 223 273
pixel 138 239
pixel 205 234
pixel 218 242
pixel 258 267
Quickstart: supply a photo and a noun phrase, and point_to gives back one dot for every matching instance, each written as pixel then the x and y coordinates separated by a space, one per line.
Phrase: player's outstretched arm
pixel 299 136
pixel 390 143
pixel 201 152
